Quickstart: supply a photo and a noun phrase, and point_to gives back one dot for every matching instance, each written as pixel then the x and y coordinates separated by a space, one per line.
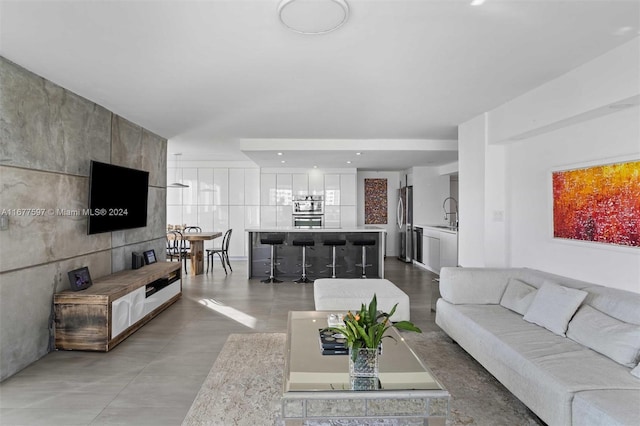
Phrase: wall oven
pixel 308 205
pixel 307 221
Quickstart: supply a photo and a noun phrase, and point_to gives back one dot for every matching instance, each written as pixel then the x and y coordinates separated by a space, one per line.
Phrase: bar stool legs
pixel 272 242
pixel 304 244
pixel 334 244
pixel 364 244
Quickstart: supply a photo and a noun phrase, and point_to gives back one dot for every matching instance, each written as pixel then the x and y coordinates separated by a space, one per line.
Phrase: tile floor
pixel 153 376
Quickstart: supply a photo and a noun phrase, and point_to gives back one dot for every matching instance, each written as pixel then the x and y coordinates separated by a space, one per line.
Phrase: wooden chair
pixel 222 252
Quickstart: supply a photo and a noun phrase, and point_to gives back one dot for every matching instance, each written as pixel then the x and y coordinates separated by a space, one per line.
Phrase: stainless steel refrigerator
pixel 405 223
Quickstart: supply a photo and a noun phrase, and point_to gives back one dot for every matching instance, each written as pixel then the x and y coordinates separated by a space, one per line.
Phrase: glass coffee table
pixel 318 389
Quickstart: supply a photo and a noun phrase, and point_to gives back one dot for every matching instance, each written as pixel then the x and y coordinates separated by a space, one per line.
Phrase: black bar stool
pixel 273 242
pixel 304 244
pixel 334 244
pixel 364 244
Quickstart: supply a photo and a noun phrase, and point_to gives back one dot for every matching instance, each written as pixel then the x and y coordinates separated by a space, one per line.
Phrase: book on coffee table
pixel 332 343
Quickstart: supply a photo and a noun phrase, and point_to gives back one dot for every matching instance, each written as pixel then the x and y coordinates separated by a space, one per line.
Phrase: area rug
pixel 245 384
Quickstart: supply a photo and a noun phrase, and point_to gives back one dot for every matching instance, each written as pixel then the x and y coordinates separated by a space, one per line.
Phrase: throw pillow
pixel 553 306
pixel 609 336
pixel 518 296
pixel 636 371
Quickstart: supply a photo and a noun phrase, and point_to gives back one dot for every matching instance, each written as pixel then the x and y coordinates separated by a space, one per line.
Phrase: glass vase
pixel 365 362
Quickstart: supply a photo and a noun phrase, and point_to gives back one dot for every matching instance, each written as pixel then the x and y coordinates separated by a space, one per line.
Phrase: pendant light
pixel 177 184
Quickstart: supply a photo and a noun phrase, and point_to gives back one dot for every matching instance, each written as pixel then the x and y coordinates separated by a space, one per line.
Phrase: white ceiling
pixel 225 80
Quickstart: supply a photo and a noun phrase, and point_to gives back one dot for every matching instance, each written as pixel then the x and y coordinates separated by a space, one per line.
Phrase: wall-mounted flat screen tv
pixel 117 198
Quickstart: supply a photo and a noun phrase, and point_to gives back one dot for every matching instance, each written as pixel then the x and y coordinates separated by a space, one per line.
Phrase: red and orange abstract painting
pixel 600 204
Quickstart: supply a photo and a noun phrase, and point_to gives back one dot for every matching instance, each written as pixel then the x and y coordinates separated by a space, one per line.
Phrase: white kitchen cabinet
pixel 300 184
pixel 439 248
pixel 252 187
pixel 284 215
pixel 448 249
pixel 236 187
pixel 174 215
pixel 316 182
pixel 174 195
pixel 190 194
pixel 221 186
pixel 332 217
pixel 348 190
pixel 268 216
pixel 283 189
pixel 433 254
pixel 348 216
pixel 236 222
pixel 251 217
pixel 205 220
pixel 268 190
pixel 220 218
pixel 189 215
pixel 205 186
pixel 332 190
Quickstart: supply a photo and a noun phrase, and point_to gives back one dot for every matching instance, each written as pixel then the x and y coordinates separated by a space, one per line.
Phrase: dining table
pixel 196 240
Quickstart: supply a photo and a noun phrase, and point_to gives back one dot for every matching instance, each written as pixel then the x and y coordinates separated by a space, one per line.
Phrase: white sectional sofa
pixel 568 349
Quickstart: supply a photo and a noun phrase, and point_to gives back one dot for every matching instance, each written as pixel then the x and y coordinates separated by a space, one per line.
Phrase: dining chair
pixel 176 248
pixel 222 252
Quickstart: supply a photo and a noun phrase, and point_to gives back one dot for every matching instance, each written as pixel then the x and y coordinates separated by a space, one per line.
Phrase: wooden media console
pixel 115 306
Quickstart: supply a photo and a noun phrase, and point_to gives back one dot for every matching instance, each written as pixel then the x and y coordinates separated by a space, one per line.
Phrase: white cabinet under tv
pixel 115 306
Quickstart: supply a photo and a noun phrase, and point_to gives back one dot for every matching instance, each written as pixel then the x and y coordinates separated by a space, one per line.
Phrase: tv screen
pixel 117 198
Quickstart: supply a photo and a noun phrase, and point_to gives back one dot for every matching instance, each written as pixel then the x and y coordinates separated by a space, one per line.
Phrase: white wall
pixel 430 189
pixel 471 190
pixel 505 188
pixel 393 186
pixel 530 201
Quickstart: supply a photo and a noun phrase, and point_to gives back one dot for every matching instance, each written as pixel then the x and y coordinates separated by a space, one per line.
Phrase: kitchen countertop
pixel 317 230
pixel 442 228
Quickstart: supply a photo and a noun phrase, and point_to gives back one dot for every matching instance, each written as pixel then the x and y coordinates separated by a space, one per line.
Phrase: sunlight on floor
pixel 228 311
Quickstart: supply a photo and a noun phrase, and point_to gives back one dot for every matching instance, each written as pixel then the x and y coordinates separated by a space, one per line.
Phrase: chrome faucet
pixel 447 214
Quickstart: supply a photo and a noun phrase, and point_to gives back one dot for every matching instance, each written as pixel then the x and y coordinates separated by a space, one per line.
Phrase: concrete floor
pixel 153 376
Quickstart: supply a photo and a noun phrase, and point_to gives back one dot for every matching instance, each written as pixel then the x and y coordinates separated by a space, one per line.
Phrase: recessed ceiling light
pixel 315 167
pixel 476 2
pixel 358 153
pixel 283 161
pixel 279 153
pixel 348 162
pixel 313 17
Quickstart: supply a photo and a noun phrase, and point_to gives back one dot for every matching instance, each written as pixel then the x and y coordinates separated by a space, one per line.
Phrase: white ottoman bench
pixel 349 294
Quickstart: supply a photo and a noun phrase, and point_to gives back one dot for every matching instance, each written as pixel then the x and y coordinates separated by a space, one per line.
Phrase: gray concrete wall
pixel 48 136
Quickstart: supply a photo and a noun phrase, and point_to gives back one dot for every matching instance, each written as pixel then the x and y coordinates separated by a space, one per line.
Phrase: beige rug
pixel 245 384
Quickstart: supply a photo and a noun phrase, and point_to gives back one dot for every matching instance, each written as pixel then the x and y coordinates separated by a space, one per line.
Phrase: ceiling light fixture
pixel 313 17
pixel 477 2
pixel 279 153
pixel 177 184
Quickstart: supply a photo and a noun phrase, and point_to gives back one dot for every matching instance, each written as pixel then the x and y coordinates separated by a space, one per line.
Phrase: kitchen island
pixel 318 256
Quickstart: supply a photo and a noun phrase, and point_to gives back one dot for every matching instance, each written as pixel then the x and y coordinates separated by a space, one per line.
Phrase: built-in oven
pixel 308 205
pixel 307 221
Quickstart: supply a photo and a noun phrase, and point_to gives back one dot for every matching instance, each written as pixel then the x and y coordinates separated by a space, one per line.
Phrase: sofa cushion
pixel 615 339
pixel 518 296
pixel 553 306
pixel 606 407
